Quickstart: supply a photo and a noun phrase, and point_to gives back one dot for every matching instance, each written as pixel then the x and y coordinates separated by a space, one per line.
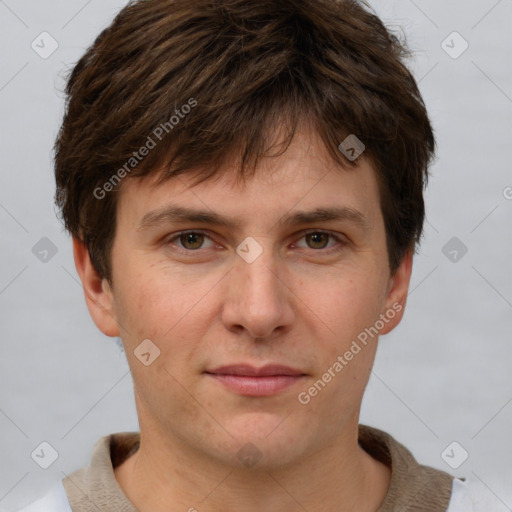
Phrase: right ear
pixel 97 292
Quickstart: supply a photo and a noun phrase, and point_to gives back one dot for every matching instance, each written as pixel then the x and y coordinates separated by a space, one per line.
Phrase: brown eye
pixel 322 242
pixel 317 240
pixel 192 241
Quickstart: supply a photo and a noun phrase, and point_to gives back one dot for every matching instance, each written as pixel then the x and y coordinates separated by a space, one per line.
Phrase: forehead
pixel 302 178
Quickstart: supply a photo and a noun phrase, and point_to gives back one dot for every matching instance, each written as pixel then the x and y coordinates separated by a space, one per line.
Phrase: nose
pixel 258 298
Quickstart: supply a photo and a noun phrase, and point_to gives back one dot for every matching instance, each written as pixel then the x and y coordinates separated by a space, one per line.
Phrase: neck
pixel 165 475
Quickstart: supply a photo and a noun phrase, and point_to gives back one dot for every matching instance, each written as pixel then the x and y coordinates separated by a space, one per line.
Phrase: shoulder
pixel 471 495
pixel 55 500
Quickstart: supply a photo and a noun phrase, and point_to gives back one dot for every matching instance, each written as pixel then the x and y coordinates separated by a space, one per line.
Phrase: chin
pixel 264 441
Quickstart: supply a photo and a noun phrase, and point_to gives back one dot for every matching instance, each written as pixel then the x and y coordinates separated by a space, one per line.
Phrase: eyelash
pixel 340 242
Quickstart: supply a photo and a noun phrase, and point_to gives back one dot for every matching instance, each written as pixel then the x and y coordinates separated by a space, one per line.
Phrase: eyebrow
pixel 177 214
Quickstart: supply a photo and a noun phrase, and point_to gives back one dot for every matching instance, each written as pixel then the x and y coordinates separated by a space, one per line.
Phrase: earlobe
pixel 97 292
pixel 397 293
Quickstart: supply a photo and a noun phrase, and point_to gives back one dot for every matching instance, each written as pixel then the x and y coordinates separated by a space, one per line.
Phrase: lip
pixel 248 370
pixel 248 380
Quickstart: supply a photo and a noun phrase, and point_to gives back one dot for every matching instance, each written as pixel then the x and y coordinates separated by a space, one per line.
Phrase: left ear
pixel 397 294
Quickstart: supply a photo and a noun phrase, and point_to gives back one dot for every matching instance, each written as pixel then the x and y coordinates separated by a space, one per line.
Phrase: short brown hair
pixel 247 64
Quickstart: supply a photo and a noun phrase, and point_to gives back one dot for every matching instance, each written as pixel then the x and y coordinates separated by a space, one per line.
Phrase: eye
pixel 318 240
pixel 190 240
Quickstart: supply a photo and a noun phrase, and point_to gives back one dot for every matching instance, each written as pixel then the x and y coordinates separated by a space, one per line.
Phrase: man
pixel 243 182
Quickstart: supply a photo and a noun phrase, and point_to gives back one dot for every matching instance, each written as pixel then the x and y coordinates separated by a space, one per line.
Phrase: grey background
pixel 443 375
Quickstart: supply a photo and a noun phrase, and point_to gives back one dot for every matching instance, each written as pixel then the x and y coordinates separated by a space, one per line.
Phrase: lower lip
pixel 256 386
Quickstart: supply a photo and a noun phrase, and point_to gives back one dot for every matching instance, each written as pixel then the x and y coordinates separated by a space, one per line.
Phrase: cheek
pixel 347 308
pixel 143 308
pixel 170 310
pixel 346 305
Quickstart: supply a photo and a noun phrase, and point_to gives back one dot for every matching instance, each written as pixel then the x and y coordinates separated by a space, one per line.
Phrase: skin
pixel 295 305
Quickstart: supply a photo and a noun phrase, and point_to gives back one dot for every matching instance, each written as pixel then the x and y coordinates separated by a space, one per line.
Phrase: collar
pixel 413 487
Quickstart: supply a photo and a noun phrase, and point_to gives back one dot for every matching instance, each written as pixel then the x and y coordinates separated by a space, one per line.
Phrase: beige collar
pixel 413 487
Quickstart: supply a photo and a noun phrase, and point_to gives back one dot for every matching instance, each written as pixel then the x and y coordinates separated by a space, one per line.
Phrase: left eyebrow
pixel 326 215
pixel 176 214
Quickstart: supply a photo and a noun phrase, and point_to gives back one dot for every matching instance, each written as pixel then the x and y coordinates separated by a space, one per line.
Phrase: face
pixel 262 328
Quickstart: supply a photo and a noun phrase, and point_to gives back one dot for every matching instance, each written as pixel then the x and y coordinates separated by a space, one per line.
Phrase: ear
pixel 397 294
pixel 97 292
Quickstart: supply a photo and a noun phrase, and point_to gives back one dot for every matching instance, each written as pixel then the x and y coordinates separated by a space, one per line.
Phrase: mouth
pixel 249 380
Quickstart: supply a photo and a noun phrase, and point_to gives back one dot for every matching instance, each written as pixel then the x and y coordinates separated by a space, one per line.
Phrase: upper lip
pixel 253 371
